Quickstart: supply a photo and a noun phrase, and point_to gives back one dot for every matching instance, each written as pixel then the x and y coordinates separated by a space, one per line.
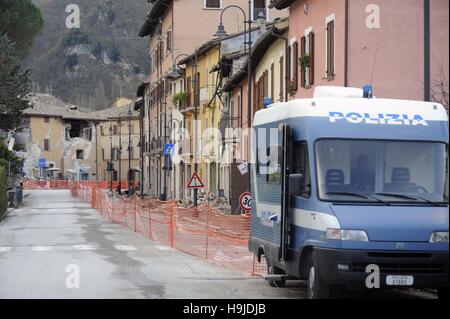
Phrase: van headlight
pixel 345 234
pixel 439 237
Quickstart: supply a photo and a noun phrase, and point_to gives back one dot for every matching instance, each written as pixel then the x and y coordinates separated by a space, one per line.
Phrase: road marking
pixel 164 248
pixel 84 247
pixel 5 249
pixel 125 247
pixel 41 248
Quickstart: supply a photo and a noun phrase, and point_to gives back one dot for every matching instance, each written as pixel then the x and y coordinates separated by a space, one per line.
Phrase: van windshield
pixel 382 171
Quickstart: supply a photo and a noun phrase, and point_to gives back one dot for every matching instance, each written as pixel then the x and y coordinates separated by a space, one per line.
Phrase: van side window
pixel 301 166
pixel 274 152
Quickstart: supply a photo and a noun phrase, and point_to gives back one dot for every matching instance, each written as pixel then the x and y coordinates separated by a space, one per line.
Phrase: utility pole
pixel 196 102
pixel 249 89
pixel 427 54
pixel 110 158
pixel 119 188
pixel 129 153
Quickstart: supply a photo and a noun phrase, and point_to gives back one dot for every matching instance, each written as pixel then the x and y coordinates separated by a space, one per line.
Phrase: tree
pixel 21 20
pixel 100 96
pixel 71 61
pixel 440 89
pixel 14 85
pixel 97 51
pixel 115 54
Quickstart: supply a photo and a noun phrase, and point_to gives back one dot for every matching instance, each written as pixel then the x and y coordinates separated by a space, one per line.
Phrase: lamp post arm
pixel 245 21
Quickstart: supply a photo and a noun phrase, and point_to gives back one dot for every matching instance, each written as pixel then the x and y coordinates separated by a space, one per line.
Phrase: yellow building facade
pixel 203 105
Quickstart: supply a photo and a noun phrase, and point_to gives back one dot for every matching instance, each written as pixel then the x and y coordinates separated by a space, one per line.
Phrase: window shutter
pixel 330 49
pixel 295 66
pixel 303 71
pixel 272 84
pixel 169 41
pixel 281 79
pixel 311 58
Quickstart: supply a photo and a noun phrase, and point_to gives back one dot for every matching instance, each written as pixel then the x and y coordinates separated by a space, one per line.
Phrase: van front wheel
pixel 316 287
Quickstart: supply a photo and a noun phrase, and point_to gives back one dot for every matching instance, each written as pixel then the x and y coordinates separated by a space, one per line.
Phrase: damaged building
pixel 60 140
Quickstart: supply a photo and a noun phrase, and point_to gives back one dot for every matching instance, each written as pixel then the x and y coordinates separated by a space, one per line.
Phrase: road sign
pixel 245 201
pixel 195 182
pixel 243 168
pixel 168 149
pixel 42 163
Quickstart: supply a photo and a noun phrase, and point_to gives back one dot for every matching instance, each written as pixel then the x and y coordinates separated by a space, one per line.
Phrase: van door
pixel 286 166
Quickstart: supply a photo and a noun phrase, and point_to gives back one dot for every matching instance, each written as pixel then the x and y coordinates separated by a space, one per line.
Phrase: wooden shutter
pixel 169 41
pixel 46 145
pixel 281 79
pixel 272 82
pixel 311 58
pixel 330 49
pixel 303 70
pixel 295 66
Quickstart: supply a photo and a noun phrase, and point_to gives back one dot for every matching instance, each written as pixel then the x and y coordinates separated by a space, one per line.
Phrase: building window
pixel 47 145
pixel 46 119
pixel 212 4
pixel 330 48
pixel 114 130
pixel 307 60
pixel 259 6
pixel 131 152
pixel 115 154
pixel 169 41
pixel 80 154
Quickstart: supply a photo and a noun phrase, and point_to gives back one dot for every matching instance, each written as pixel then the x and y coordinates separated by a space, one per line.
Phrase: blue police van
pixel 351 191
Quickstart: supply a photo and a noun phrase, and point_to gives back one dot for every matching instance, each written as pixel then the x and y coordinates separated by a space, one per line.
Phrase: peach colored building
pixel 358 42
pixel 176 28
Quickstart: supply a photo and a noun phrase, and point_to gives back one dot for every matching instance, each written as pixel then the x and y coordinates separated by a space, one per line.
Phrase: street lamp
pixel 110 158
pixel 129 147
pixel 129 114
pixel 220 33
pixel 151 140
pixel 174 74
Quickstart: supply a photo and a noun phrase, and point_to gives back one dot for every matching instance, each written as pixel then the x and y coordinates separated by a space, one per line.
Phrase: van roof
pixel 372 108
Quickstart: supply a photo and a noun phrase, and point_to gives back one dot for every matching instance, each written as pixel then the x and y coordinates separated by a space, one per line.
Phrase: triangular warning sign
pixel 195 182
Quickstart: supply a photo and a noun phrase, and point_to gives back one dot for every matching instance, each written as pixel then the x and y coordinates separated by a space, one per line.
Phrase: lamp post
pixel 151 138
pixel 129 114
pixel 220 33
pixel 174 74
pixel 130 145
pixel 110 158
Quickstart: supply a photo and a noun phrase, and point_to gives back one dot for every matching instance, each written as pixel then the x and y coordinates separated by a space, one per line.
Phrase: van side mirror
pixel 298 186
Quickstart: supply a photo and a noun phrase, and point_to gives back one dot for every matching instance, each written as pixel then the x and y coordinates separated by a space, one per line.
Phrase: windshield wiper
pixel 413 197
pixel 362 195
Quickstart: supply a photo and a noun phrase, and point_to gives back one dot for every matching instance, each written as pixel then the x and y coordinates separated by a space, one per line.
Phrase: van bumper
pixel 429 269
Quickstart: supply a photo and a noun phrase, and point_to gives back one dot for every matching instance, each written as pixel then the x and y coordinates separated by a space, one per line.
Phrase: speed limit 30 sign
pixel 245 201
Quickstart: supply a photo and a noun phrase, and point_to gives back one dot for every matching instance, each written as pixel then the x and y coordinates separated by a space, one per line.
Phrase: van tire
pixel 272 270
pixel 315 286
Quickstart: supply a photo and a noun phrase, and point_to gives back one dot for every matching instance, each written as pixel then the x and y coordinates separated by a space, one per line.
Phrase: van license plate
pixel 396 280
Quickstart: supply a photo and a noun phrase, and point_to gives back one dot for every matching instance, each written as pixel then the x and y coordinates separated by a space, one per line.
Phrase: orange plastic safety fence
pixel 200 231
pixel 44 184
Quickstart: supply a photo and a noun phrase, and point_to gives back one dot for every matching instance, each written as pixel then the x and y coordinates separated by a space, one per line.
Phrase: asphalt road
pixel 56 246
